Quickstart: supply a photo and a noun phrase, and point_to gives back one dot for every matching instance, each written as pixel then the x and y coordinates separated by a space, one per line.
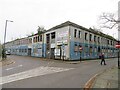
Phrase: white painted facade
pixel 61 37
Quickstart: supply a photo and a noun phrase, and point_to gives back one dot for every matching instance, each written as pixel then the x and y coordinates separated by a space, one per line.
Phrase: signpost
pixel 80 48
pixel 118 46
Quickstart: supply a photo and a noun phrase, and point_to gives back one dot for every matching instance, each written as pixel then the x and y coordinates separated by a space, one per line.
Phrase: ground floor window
pixel 86 50
pixel 95 49
pixel 25 50
pixel 34 50
pixel 75 48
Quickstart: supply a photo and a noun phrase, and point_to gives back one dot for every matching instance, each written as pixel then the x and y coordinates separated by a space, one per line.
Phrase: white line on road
pixel 32 73
pixel 14 67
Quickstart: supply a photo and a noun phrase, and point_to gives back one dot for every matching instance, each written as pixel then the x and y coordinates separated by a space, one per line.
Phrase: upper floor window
pixel 94 38
pixel 98 39
pixel 79 34
pixel 75 33
pixel 108 42
pixel 36 38
pixel 40 37
pixel 101 40
pixel 85 36
pixel 90 37
pixel 48 38
pixel 111 42
pixel 53 35
pixel 30 40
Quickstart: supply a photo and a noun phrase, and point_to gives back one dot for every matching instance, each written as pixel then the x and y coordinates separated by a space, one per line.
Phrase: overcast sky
pixel 29 14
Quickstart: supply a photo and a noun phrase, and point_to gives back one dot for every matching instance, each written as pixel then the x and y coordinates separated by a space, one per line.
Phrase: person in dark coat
pixel 103 59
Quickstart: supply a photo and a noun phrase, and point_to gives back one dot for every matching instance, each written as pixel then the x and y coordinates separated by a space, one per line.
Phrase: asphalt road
pixel 51 74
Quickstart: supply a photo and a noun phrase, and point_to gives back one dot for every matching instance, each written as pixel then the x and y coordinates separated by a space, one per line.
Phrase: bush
pixel 3 54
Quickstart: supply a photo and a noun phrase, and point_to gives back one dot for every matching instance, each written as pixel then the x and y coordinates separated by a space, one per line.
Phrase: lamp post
pixel 4 54
pixel 63 52
pixel 118 45
pixel 63 46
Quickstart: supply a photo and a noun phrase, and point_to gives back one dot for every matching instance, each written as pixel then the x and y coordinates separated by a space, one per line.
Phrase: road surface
pixel 29 72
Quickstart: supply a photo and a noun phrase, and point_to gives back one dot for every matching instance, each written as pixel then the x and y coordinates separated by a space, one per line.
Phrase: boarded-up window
pixel 90 49
pixel 95 49
pixel 86 49
pixel 75 48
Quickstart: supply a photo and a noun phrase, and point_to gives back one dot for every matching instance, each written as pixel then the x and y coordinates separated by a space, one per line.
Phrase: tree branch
pixel 108 20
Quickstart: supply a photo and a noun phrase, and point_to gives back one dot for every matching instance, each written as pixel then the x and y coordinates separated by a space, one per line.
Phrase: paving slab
pixel 107 79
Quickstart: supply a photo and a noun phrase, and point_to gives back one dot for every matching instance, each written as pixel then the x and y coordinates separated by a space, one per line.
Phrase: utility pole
pixel 118 35
pixel 63 46
pixel 3 52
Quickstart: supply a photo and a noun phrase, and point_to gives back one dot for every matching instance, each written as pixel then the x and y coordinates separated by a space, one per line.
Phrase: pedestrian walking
pixel 103 59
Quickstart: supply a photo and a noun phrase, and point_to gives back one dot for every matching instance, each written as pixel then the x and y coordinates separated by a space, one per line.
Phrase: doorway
pixel 29 51
pixel 52 53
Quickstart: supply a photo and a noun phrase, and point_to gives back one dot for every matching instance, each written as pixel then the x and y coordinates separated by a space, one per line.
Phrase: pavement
pixel 6 62
pixel 105 79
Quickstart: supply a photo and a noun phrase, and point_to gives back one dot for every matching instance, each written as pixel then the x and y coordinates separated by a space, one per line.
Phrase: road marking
pixel 14 67
pixel 32 73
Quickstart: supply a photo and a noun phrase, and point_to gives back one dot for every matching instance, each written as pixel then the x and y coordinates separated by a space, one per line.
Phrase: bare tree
pixel 108 20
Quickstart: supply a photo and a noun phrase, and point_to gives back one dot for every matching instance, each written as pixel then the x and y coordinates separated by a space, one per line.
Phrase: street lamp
pixel 4 54
pixel 118 46
pixel 63 46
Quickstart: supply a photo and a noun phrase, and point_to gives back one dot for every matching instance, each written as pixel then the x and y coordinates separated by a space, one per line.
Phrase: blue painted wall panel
pixel 44 50
pixel 86 53
pixel 37 50
pixel 73 54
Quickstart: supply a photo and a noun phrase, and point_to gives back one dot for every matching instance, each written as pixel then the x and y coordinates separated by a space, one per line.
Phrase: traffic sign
pixel 117 46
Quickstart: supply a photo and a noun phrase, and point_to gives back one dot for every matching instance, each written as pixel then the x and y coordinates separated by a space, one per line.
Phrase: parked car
pixel 7 52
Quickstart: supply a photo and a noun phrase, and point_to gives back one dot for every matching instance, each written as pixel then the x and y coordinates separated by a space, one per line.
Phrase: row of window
pixel 75 33
pixel 91 38
pixel 91 49
pixel 19 42
pixel 19 50
pixel 37 38
pixel 25 41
